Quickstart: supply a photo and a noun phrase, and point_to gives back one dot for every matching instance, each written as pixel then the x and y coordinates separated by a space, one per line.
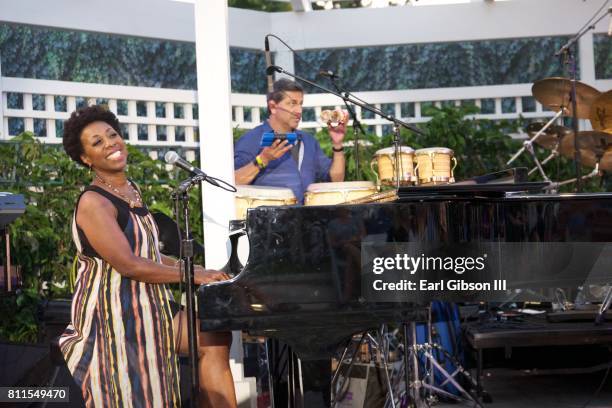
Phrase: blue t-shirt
pixel 284 172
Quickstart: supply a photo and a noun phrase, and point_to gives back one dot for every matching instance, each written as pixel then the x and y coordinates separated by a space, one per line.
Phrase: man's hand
pixel 337 132
pixel 203 276
pixel 277 150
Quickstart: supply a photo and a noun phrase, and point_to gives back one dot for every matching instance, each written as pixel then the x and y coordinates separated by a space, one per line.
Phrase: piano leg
pixel 294 383
pixel 315 384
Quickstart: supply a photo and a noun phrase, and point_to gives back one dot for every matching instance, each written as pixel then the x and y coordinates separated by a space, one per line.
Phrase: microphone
pixel 273 68
pixel 268 64
pixel 173 158
pixel 329 74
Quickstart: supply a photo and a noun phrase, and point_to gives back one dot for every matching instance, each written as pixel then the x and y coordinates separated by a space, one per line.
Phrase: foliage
pixel 603 56
pixel 48 53
pixel 19 316
pixel 438 65
pixel 51 183
pixel 260 5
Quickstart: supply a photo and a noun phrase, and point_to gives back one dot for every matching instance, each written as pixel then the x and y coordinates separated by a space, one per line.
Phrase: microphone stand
pixel 356 123
pixel 570 61
pixel 180 195
pixel 397 123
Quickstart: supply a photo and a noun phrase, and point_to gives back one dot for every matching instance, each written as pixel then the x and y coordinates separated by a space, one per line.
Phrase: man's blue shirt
pixel 284 172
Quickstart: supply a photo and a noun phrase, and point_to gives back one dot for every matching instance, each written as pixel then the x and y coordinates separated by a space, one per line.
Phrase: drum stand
pixel 420 391
pixel 555 186
pixel 383 351
pixel 528 145
pixel 553 155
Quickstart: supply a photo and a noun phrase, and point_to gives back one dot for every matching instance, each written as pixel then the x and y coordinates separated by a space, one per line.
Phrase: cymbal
pixel 554 93
pixel 551 135
pixel 601 112
pixel 592 144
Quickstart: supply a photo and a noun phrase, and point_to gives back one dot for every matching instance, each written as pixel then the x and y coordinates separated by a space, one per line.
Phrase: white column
pixel 4 134
pixel 284 59
pixel 217 152
pixel 215 116
pixel 586 56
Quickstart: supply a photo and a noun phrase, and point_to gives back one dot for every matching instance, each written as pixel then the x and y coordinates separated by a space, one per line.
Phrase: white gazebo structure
pixel 214 28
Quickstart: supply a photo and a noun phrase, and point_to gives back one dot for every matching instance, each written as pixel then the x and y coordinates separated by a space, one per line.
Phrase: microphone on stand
pixel 268 64
pixel 173 158
pixel 196 174
pixel 329 74
pixel 272 69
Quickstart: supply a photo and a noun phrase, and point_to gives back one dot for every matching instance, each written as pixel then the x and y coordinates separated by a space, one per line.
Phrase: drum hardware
pixel 527 143
pixel 605 305
pixel 421 391
pixel 548 140
pixel 554 186
pixel 529 147
pixel 553 155
pixel 382 352
pixel 578 92
pixel 356 123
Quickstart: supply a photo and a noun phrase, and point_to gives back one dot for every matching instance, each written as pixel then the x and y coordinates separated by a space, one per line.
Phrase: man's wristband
pixel 338 150
pixel 259 163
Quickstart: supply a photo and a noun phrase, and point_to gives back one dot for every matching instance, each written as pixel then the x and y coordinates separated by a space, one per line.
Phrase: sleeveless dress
pixel 119 346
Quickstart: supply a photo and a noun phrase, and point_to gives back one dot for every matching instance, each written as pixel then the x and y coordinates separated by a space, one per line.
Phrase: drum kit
pixel 595 146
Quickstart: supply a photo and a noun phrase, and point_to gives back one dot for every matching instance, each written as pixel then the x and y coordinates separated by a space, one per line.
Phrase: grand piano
pixel 301 284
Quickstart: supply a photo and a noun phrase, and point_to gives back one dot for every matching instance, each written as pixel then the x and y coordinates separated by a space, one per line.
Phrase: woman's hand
pixel 203 276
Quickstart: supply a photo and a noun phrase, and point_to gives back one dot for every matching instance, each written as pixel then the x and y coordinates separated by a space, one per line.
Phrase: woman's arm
pixel 96 216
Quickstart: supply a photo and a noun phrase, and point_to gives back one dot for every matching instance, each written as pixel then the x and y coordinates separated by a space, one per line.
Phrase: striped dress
pixel 119 346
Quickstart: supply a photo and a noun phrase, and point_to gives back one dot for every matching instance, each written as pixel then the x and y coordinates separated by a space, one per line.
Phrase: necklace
pixel 131 202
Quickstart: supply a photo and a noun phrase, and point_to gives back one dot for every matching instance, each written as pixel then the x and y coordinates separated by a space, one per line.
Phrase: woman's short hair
pixel 78 120
pixel 280 89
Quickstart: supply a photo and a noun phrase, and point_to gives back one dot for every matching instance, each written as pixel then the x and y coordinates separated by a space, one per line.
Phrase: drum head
pixel 391 150
pixel 340 186
pixel 269 192
pixel 431 150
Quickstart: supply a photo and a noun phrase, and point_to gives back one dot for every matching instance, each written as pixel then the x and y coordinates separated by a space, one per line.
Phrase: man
pixel 279 165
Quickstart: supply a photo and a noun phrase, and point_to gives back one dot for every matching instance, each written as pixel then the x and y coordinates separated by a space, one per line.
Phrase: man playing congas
pixel 282 164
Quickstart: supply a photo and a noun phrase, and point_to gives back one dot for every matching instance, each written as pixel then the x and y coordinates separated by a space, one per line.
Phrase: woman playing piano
pixel 121 345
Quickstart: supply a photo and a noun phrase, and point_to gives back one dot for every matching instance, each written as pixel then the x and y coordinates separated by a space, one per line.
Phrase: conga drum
pixel 337 192
pixel 434 165
pixel 386 172
pixel 249 196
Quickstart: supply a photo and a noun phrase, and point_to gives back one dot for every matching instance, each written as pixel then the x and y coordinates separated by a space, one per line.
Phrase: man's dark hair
pixel 280 88
pixel 79 119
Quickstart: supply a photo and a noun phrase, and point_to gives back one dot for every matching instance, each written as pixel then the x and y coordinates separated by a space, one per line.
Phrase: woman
pixel 121 346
